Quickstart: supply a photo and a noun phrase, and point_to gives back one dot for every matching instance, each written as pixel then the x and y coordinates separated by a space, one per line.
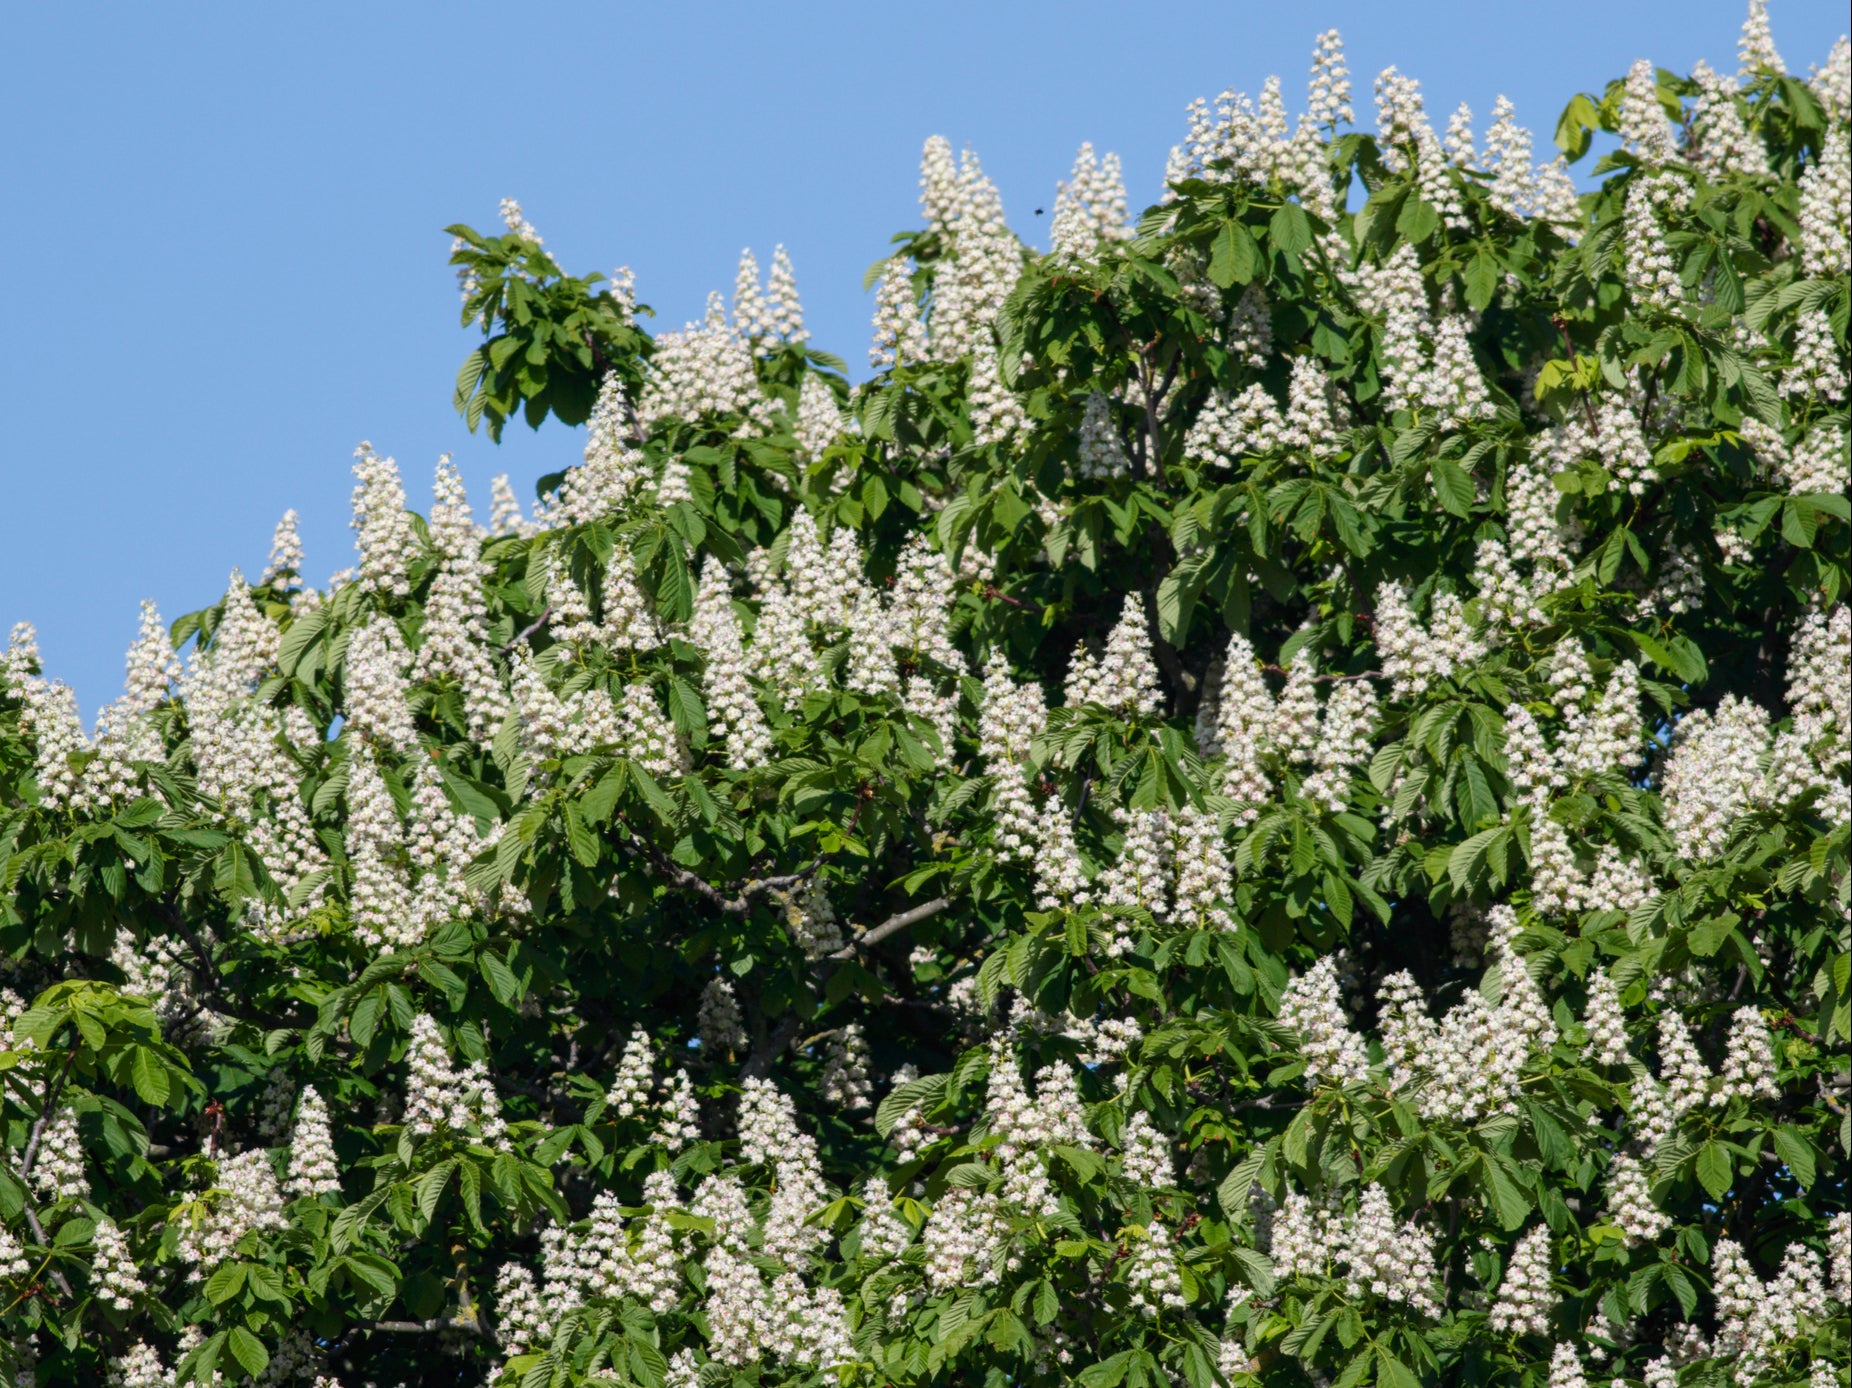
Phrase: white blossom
pixel 1605 1022
pixel 1310 1005
pixel 313 1171
pixel 1630 1202
pixel 718 1022
pixel 383 527
pixel 1090 209
pixel 439 1097
pixel 1525 1298
pixel 900 333
pixel 1713 774
pixel 1826 209
pixel 112 1268
pixel 1124 677
pixel 1147 1158
pixel 845 1071
pixel 244 1199
pixel 1749 1064
pixel 1643 126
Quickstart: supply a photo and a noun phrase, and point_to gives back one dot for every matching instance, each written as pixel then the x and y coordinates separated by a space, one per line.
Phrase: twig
pixel 782 1035
pixel 56 1088
pixel 206 974
pixel 1562 326
pixel 1330 679
pixel 1170 379
pixel 893 925
pixel 31 1156
pixel 736 905
pixel 529 629
pixel 431 1327
pixel 812 1039
pixel 996 594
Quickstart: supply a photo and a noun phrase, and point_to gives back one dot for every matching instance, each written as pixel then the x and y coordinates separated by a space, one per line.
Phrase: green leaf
pixel 1047 1303
pixel 1506 1197
pixel 200 1363
pixel 500 978
pixel 1176 601
pixel 1576 126
pixel 580 839
pixel 1290 229
pixel 302 631
pixel 1453 487
pixel 1234 256
pixel 1108 1373
pixel 266 1283
pixel 364 1020
pixel 1797 1153
pixel 1466 864
pixel 372 1271
pixel 1418 220
pixel 923 1092
pixel 1392 1372
pixel 1714 1169
pixel 429 1188
pixel 686 710
pixel 225 1283
pixel 1682 1287
pixel 1481 278
pixel 149 1073
pixel 1800 521
pixel 1256 1269
pixel 248 1350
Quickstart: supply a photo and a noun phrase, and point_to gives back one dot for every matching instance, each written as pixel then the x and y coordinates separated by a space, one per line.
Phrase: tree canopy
pixel 1265 803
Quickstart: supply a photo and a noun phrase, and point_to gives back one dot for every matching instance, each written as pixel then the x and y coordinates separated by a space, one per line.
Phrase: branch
pixel 205 973
pixel 1562 326
pixel 771 1048
pixel 1163 389
pixel 893 925
pixel 995 593
pixel 782 1035
pixel 431 1327
pixel 52 1093
pixel 1330 679
pixel 737 905
pixel 527 631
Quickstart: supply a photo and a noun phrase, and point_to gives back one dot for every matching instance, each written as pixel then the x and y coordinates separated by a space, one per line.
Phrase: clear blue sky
pixel 225 220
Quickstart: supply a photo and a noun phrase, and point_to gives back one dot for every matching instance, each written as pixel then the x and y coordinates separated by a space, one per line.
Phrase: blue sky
pixel 225 220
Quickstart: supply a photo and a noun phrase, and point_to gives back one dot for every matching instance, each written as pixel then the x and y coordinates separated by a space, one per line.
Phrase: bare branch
pixel 736 905
pixel 430 1327
pixel 53 1092
pixel 771 1048
pixel 205 973
pixel 532 627
pixel 1330 679
pixel 781 1036
pixel 893 925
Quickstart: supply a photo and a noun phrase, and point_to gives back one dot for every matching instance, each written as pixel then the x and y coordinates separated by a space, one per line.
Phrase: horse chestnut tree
pixel 1266 802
